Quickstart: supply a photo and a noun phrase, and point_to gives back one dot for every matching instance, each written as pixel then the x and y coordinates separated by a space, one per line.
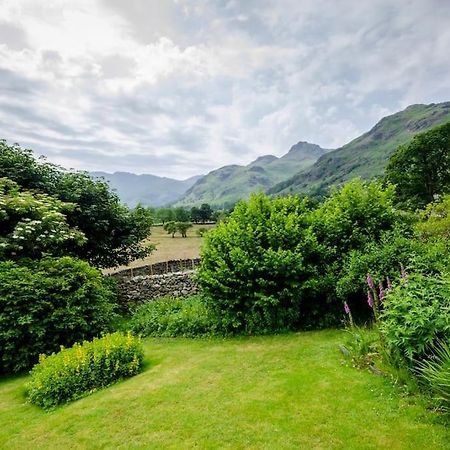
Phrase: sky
pixel 180 87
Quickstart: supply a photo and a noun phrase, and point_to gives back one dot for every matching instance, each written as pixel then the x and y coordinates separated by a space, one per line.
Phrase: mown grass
pixel 286 391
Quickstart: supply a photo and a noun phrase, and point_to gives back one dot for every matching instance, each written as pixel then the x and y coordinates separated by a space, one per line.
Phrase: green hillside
pixel 367 155
pixel 229 184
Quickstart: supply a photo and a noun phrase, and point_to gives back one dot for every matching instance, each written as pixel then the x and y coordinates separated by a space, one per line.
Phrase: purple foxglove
pixel 381 294
pixel 369 299
pixel 369 281
pixel 403 271
pixel 389 285
pixel 346 308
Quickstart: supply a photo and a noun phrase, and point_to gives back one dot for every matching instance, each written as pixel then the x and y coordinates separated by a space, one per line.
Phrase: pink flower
pixel 346 308
pixel 381 294
pixel 369 281
pixel 389 285
pixel 369 299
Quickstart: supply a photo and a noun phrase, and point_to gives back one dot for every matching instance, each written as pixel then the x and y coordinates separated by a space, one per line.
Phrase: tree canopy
pixel 113 233
pixel 421 169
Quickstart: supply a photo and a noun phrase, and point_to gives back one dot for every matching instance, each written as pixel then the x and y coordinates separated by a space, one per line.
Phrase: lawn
pixel 168 248
pixel 276 392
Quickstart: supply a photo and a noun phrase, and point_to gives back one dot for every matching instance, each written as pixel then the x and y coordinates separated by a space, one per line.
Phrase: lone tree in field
pixel 171 228
pixel 182 227
pixel 421 169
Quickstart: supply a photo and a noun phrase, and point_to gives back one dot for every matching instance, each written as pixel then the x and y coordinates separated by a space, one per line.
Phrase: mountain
pixel 367 155
pixel 229 184
pixel 149 190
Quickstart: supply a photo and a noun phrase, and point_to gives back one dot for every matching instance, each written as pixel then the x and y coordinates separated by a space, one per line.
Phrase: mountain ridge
pixel 228 184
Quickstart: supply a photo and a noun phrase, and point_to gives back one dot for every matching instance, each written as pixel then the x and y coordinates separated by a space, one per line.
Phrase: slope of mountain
pixel 149 190
pixel 367 155
pixel 229 184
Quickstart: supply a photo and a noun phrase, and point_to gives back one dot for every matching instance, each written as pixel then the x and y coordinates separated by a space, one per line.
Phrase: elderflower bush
pixel 75 372
pixel 33 224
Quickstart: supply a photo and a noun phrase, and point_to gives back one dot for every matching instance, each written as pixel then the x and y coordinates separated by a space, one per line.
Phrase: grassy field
pixel 278 392
pixel 168 248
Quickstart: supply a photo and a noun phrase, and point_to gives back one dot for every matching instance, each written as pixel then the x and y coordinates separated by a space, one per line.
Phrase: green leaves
pixel 46 304
pixel 84 368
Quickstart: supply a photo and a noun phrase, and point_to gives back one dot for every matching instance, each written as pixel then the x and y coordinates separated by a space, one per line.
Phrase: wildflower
pixel 369 299
pixel 369 281
pixel 346 308
pixel 389 285
pixel 381 292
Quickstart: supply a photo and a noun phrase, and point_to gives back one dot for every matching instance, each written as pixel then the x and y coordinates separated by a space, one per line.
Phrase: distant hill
pixel 149 190
pixel 367 155
pixel 229 184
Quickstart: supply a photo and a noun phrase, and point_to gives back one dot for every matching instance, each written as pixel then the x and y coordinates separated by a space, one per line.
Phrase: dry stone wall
pixel 136 286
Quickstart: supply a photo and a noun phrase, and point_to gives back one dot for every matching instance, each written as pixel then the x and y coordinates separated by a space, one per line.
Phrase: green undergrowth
pixel 285 391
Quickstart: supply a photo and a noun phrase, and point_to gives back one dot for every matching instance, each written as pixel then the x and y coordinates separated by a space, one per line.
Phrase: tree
pixel 205 212
pixel 181 214
pixel 164 215
pixel 182 227
pixel 421 169
pixel 171 228
pixel 195 214
pixel 33 225
pixel 114 233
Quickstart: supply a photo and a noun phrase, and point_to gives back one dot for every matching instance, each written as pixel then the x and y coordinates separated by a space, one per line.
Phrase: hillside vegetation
pixel 227 185
pixel 367 155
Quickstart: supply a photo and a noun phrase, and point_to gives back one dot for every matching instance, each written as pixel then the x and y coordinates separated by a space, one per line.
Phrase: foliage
pixel 416 315
pixel 74 372
pixel 363 346
pixel 382 260
pixel 169 317
pixel 34 224
pixel 435 373
pixel 113 233
pixel 435 221
pixel 48 303
pixel 201 231
pixel 421 169
pixel 259 267
pixel 353 216
pixel 182 228
pixel 171 228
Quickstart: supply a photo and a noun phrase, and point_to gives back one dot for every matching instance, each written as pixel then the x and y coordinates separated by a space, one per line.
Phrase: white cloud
pixel 176 88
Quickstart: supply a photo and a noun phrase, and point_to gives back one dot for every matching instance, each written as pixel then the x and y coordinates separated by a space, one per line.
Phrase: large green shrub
pixel 260 266
pixel 48 303
pixel 84 368
pixel 169 317
pixel 354 216
pixel 416 315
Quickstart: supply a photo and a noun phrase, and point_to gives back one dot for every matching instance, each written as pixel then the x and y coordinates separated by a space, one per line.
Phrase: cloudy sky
pixel 180 87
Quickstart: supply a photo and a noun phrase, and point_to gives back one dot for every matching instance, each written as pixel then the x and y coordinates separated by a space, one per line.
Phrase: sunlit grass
pixel 287 391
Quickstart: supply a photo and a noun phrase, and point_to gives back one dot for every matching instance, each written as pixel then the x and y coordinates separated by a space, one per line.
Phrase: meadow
pixel 286 391
pixel 168 248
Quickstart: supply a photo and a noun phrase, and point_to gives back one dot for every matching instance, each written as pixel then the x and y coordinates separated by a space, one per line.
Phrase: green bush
pixel 48 303
pixel 84 368
pixel 416 315
pixel 261 267
pixel 435 373
pixel 168 317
